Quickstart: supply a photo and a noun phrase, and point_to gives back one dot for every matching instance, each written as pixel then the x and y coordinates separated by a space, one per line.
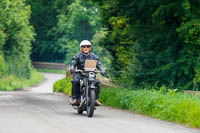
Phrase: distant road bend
pixel 39 110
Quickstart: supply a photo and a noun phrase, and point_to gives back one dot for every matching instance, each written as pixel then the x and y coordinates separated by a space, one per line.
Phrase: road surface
pixel 39 110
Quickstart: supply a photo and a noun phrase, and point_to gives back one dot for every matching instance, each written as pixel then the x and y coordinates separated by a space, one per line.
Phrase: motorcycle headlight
pixel 92 76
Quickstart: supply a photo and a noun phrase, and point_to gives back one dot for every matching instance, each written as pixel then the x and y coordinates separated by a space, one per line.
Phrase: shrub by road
pixel 165 104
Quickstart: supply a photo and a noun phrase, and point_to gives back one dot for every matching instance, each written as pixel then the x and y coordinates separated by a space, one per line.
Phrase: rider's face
pixel 86 49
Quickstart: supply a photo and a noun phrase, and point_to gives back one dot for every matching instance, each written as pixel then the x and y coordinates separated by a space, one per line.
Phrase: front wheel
pixel 91 103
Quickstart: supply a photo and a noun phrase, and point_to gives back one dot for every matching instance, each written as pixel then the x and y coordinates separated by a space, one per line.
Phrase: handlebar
pixel 82 71
pixel 96 71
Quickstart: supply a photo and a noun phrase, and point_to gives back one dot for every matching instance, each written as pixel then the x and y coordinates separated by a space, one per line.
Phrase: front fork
pixel 85 92
pixel 88 90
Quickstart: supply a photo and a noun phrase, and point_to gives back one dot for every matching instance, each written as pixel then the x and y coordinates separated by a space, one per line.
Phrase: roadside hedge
pixel 165 104
pixel 170 106
pixel 63 85
pixel 11 82
pixel 16 35
pixel 3 66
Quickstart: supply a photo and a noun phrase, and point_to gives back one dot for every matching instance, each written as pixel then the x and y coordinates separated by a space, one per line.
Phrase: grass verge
pixel 176 107
pixel 164 104
pixel 51 70
pixel 11 82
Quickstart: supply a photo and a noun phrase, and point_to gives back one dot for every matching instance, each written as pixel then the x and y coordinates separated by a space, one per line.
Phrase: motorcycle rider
pixel 78 62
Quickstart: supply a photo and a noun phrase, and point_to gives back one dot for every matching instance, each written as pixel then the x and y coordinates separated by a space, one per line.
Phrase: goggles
pixel 86 46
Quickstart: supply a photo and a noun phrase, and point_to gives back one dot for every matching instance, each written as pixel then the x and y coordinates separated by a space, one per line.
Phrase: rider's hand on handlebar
pixel 79 71
pixel 72 71
pixel 104 73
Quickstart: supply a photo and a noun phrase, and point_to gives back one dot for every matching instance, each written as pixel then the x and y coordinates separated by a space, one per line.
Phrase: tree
pixel 16 36
pixel 43 18
pixel 67 23
pixel 78 22
pixel 153 42
pixel 98 49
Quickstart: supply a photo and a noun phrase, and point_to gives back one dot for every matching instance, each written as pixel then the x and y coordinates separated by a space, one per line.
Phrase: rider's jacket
pixel 79 61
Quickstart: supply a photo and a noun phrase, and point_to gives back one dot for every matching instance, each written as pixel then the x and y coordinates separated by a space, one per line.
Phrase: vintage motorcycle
pixel 87 90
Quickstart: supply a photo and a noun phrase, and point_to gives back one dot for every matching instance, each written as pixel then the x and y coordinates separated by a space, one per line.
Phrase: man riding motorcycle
pixel 78 62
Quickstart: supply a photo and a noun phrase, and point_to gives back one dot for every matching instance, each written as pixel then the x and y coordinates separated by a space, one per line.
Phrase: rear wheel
pixel 91 103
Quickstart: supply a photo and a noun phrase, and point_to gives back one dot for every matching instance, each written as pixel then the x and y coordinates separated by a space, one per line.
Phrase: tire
pixel 91 103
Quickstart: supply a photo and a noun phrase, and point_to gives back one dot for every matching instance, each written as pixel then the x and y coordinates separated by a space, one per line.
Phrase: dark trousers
pixel 76 87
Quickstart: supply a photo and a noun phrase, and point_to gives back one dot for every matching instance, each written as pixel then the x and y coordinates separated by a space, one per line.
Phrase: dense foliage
pixel 16 35
pixel 63 85
pixel 3 66
pixel 44 19
pixel 154 42
pixel 61 25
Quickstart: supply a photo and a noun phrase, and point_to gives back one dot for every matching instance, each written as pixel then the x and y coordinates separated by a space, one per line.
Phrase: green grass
pixel 170 106
pixel 51 70
pixel 36 77
pixel 11 82
pixel 164 104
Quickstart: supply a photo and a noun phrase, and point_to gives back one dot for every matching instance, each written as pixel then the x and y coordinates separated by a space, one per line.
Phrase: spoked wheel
pixel 91 103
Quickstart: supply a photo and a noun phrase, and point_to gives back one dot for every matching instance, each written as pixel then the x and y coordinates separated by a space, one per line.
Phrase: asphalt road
pixel 39 110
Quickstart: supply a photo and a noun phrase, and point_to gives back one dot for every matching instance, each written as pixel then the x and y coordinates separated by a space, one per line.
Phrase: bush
pixel 16 35
pixel 63 85
pixel 166 104
pixel 11 82
pixel 3 66
pixel 170 106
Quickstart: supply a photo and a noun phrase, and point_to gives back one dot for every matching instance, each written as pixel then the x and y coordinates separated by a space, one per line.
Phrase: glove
pixel 104 73
pixel 72 71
